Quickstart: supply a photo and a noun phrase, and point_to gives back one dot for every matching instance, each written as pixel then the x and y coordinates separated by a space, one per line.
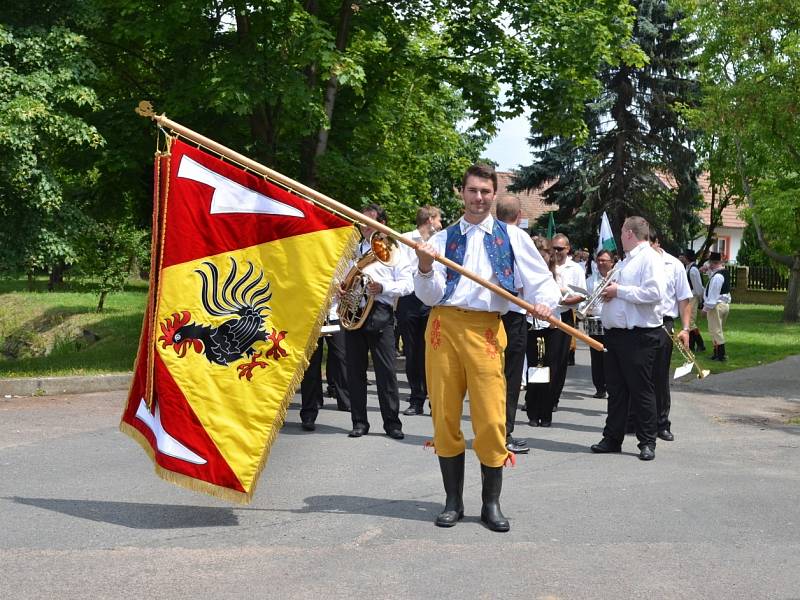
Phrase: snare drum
pixel 593 326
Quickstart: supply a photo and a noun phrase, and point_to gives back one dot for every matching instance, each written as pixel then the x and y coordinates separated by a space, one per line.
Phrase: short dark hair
pixel 481 170
pixel 380 213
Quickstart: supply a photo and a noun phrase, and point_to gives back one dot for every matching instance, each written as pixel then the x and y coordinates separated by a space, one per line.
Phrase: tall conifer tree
pixel 636 140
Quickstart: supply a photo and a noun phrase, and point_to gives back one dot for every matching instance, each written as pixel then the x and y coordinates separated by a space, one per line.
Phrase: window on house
pixel 723 246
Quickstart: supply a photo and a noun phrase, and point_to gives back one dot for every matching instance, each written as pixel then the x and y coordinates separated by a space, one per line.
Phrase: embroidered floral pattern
pixel 498 248
pixel 436 334
pixel 491 343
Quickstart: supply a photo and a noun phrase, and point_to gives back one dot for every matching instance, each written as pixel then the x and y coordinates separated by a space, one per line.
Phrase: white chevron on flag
pixel 232 197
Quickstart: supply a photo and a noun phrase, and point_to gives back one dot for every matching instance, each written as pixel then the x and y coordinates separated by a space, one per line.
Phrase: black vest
pixel 726 281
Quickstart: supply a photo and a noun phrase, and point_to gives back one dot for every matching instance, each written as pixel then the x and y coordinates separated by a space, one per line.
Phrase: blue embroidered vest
pixel 498 248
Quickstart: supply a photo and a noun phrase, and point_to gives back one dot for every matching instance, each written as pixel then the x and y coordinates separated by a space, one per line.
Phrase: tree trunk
pixel 791 307
pixel 102 301
pixel 331 89
pixel 56 276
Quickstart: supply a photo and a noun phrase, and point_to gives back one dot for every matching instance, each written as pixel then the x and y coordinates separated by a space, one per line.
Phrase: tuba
pixel 355 302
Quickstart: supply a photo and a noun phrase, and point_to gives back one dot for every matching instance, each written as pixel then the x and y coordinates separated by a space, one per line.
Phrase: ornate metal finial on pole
pixel 145 109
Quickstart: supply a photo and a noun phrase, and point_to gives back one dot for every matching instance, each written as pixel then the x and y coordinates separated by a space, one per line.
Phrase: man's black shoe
pixel 599 395
pixel 533 423
pixel 308 426
pixel 666 435
pixel 343 408
pixel 545 423
pixel 413 410
pixel 606 446
pixel 646 453
pixel 517 446
pixel 395 434
pixel 358 431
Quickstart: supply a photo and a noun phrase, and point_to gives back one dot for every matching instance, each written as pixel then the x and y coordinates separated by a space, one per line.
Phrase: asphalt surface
pixel 714 516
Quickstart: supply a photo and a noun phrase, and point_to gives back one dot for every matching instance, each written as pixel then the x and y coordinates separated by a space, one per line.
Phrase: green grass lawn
pixel 754 335
pixel 52 325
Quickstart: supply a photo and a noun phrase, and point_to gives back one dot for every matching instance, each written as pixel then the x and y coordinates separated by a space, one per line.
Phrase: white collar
pixel 486 225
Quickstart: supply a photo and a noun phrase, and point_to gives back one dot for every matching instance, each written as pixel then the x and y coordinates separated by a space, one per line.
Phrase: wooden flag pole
pixel 145 109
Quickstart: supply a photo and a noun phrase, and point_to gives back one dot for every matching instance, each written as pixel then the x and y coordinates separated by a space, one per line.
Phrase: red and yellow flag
pixel 241 281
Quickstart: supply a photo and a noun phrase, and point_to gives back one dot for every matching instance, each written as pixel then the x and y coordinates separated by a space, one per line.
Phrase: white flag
pixel 606 238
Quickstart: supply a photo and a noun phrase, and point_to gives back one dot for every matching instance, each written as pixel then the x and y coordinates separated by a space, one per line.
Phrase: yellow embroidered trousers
pixel 464 353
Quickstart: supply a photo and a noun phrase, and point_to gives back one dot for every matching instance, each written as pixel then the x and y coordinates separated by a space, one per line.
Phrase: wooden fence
pixel 757 285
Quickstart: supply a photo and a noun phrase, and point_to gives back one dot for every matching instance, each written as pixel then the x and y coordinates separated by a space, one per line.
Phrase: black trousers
pixel 598 368
pixel 380 344
pixel 516 326
pixel 311 386
pixel 661 377
pixel 538 402
pixel 560 342
pixel 629 361
pixel 412 319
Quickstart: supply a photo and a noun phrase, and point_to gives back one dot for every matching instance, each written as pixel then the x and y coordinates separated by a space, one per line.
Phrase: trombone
pixel 688 357
pixel 145 109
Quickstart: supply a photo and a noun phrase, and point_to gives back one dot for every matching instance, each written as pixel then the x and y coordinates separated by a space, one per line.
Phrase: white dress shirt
pixel 396 281
pixel 677 286
pixel 531 274
pixel 695 280
pixel 570 273
pixel 713 295
pixel 415 236
pixel 641 283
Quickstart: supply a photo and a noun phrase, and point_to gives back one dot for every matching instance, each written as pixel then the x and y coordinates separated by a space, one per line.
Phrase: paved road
pixel 714 516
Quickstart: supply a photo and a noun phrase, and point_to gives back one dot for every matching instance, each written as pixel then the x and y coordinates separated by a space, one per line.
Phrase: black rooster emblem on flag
pixel 245 299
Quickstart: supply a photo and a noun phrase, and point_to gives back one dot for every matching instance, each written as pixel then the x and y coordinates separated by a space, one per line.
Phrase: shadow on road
pixel 412 510
pixel 136 515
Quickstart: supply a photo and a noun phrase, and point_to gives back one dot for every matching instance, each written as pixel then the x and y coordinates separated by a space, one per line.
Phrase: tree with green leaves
pixel 46 99
pixel 750 68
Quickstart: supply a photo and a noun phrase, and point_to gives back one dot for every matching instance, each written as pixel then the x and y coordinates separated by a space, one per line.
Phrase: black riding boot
pixel 698 341
pixel 692 340
pixel 721 353
pixel 453 478
pixel 491 514
pixel 716 352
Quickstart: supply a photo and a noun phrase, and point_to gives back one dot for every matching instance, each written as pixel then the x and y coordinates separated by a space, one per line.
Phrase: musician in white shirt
pixel 412 314
pixel 376 338
pixel 674 305
pixel 604 261
pixel 632 324
pixel 687 257
pixel 568 273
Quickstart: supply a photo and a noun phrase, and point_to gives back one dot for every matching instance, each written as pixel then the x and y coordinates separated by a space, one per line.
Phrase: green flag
pixel 551 227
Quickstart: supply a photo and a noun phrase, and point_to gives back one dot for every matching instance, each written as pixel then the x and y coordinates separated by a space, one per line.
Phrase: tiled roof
pixel 533 204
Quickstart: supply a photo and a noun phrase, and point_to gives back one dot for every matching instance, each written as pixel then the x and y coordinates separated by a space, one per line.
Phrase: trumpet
pixel 597 295
pixel 688 357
